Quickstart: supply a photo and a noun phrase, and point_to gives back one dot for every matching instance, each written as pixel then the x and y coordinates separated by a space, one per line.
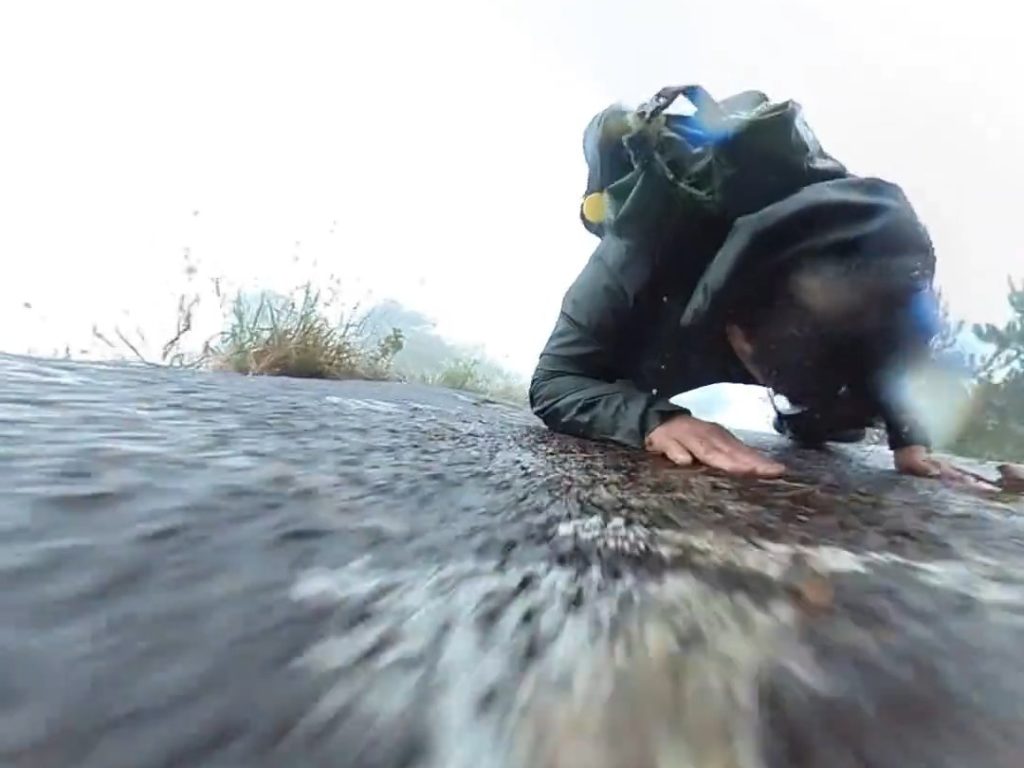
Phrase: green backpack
pixel 649 170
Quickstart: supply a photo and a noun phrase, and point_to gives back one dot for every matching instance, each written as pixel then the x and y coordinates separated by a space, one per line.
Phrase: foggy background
pixel 431 154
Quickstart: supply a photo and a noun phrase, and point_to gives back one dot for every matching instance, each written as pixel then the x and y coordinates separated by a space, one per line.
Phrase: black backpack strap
pixel 704 103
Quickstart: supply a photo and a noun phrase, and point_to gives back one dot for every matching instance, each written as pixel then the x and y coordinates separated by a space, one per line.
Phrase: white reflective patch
pixel 806 133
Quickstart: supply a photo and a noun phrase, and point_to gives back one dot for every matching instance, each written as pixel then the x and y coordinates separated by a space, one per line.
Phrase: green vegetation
pixel 273 335
pixel 308 334
pixel 469 374
pixel 283 336
pixel 428 358
pixel 996 427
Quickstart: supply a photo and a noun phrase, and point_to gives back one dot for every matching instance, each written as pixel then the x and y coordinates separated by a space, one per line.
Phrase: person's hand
pixel 685 439
pixel 1011 477
pixel 915 460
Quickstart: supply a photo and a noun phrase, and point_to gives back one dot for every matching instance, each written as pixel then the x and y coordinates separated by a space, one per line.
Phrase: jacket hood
pixel 845 240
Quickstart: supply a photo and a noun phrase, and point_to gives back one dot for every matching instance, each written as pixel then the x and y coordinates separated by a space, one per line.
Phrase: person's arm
pixel 904 431
pixel 579 386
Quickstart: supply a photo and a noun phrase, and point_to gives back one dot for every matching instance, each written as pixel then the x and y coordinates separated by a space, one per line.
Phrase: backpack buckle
pixel 703 101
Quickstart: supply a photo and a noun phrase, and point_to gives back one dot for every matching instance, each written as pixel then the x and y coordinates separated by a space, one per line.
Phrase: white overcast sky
pixel 430 151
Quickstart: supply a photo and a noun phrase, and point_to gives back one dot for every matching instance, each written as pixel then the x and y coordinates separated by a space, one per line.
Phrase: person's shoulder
pixel 613 282
pixel 850 189
pixel 628 263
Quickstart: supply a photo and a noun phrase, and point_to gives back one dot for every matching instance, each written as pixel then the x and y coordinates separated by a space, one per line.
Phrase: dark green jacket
pixel 617 354
pixel 619 350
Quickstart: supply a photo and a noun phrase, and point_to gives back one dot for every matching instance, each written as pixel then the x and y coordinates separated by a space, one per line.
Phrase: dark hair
pixel 819 329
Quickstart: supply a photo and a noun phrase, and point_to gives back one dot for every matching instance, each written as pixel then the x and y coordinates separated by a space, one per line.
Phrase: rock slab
pixel 205 569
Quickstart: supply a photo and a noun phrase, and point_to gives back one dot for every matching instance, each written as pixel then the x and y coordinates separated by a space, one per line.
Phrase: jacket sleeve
pixel 580 386
pixel 904 431
pixel 901 427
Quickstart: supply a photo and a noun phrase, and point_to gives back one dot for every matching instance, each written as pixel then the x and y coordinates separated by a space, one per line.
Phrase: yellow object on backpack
pixel 595 207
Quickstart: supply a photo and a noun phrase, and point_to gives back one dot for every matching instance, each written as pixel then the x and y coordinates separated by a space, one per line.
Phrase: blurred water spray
pixel 935 393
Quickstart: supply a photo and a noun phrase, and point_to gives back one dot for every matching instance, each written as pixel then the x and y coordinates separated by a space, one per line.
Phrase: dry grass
pixel 294 337
pixel 307 334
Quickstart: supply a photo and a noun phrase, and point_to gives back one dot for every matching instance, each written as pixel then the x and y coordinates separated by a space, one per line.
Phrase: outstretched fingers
pixel 728 454
pixel 956 476
pixel 676 453
pixel 686 440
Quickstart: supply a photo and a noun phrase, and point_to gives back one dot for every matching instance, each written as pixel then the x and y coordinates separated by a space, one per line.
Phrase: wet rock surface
pixel 203 569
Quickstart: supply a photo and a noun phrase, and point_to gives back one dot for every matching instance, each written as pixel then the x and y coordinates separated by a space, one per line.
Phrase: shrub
pixel 283 336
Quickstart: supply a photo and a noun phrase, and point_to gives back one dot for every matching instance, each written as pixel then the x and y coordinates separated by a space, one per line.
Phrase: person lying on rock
pixel 823 296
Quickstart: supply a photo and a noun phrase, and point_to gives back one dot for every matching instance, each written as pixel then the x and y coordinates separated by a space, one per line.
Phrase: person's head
pixel 813 291
pixel 784 345
pixel 819 328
